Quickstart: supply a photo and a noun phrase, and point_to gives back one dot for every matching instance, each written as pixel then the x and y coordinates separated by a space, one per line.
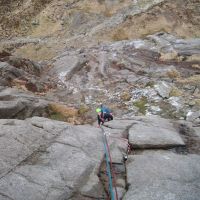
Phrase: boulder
pixel 19 104
pixel 163 89
pixel 192 116
pixel 119 124
pixel 9 109
pixel 8 73
pixel 119 133
pixel 155 133
pixel 163 175
pixel 118 148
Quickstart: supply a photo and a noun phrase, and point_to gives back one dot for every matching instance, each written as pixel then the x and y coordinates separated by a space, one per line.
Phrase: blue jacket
pixel 105 110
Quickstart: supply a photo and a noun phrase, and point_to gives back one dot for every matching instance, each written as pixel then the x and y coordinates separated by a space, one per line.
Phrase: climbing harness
pixel 109 168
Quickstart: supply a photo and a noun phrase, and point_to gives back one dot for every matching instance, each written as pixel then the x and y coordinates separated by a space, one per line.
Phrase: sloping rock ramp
pixel 47 160
pixel 156 175
pixel 154 132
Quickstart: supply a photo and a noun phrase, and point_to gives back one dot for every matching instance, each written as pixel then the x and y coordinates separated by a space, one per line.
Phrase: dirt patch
pixel 68 114
pixel 178 18
pixel 37 52
pixel 16 15
pixel 191 140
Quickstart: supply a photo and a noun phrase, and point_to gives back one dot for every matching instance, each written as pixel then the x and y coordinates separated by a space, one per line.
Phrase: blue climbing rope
pixel 108 170
pixel 112 169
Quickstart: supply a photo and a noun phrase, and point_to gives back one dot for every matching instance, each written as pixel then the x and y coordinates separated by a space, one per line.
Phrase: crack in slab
pixel 67 144
pixel 28 179
pixel 92 197
pixel 31 154
pixel 4 195
pixel 56 188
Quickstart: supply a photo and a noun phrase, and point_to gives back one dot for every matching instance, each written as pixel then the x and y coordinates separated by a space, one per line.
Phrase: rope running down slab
pixel 109 166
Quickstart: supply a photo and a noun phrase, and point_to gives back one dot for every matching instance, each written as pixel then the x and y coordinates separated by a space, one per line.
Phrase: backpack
pixel 105 110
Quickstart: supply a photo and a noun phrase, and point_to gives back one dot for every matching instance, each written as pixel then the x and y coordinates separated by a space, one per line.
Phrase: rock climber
pixel 103 114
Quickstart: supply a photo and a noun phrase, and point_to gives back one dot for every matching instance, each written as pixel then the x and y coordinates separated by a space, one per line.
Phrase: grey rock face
pixel 8 73
pixel 163 89
pixel 163 175
pixel 9 109
pixel 67 67
pixel 46 159
pixel 157 133
pixel 197 131
pixel 119 124
pixel 19 139
pixel 137 68
pixel 192 116
pixel 118 148
pixel 22 73
pixel 18 104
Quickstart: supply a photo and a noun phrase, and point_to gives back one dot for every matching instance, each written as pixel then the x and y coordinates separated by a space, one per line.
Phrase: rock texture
pixel 63 59
pixel 151 76
pixel 45 159
pixel 48 23
pixel 163 89
pixel 163 175
pixel 22 73
pixel 20 104
pixel 155 133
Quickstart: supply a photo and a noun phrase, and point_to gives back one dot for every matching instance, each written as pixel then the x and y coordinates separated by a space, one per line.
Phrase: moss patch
pixel 57 116
pixel 61 112
pixel 150 84
pixel 168 111
pixel 173 74
pixel 69 114
pixel 83 110
pixel 38 52
pixel 197 102
pixel 193 80
pixel 141 105
pixel 175 92
pixel 119 35
pixel 125 96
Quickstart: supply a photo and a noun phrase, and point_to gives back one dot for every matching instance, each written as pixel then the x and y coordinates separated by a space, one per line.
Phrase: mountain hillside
pixel 60 60
pixel 35 27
